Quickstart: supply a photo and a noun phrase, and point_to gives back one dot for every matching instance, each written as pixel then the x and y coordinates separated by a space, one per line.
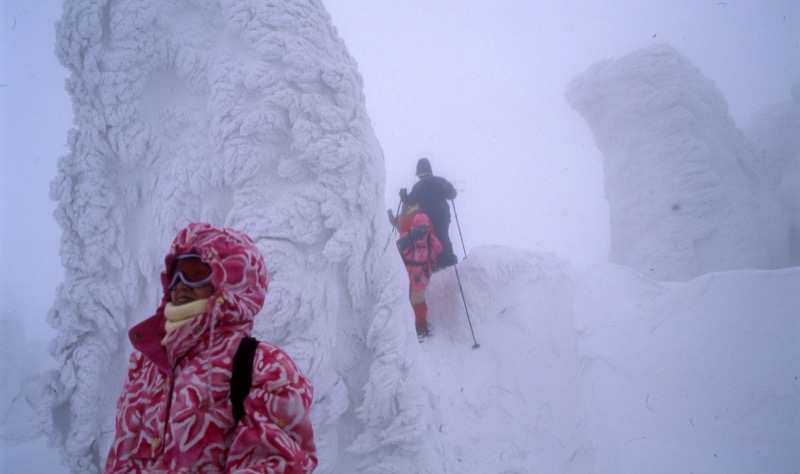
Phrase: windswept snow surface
pixel 694 377
pixel 251 115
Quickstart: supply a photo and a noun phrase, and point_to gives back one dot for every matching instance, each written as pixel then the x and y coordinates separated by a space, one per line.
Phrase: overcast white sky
pixel 476 86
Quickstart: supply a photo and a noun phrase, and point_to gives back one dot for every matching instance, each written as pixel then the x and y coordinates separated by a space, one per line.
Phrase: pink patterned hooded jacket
pixel 418 257
pixel 175 415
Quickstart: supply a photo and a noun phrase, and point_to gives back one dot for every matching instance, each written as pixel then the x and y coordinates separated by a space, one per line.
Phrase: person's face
pixel 191 280
pixel 181 293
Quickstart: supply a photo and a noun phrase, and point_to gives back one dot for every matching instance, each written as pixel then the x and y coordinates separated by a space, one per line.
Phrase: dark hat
pixel 424 167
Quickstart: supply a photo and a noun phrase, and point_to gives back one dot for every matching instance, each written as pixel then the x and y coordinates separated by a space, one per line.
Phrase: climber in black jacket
pixel 431 193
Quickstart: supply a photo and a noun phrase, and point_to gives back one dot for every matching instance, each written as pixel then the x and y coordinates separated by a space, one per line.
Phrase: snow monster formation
pixel 244 114
pixel 686 191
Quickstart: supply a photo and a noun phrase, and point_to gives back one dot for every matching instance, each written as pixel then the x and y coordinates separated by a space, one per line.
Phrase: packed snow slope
pixel 250 114
pixel 609 371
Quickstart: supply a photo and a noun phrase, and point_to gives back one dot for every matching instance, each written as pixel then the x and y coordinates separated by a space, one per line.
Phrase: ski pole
pixel 476 345
pixel 459 229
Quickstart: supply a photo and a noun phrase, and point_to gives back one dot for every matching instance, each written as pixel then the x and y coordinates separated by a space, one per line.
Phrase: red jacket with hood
pixel 174 414
pixel 418 257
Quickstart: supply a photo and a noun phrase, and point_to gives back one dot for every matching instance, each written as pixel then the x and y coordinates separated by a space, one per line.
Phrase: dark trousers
pixel 442 231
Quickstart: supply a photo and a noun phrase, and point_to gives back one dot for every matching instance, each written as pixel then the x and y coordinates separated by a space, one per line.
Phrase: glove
pixel 403 194
pixel 417 232
pixel 404 243
pixel 449 191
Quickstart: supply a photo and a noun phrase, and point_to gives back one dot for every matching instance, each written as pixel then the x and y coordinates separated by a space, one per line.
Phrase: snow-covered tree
pixel 686 192
pixel 246 114
pixel 775 132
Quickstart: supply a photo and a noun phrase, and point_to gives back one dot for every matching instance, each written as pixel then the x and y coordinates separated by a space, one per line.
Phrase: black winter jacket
pixel 432 194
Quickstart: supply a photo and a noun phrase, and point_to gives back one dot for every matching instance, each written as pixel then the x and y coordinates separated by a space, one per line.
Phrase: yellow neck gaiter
pixel 177 316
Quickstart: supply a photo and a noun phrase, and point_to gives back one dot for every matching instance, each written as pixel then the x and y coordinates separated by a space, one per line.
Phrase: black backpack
pixel 242 374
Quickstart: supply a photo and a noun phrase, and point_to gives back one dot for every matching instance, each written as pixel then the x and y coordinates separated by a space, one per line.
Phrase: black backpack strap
pixel 242 374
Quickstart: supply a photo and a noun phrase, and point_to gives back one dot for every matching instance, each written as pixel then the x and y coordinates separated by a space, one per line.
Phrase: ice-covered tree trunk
pixel 686 193
pixel 247 114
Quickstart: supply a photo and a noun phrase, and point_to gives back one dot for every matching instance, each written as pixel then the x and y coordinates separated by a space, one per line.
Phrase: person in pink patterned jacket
pixel 419 248
pixel 175 412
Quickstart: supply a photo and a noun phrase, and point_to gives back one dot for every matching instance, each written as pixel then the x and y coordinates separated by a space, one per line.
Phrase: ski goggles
pixel 190 270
